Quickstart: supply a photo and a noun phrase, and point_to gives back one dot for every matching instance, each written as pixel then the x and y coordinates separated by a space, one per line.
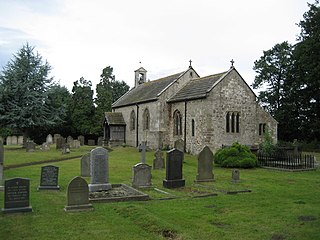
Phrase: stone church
pixel 215 110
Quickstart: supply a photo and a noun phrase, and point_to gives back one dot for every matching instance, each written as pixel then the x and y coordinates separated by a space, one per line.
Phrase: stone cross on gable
pixel 190 61
pixel 232 62
pixel 143 152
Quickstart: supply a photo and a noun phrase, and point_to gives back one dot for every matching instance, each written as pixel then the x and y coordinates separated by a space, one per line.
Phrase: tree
pixel 82 108
pixel 307 72
pixel 24 85
pixel 108 91
pixel 273 68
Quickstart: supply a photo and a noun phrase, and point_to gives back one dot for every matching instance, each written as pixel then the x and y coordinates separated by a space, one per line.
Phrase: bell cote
pixel 140 76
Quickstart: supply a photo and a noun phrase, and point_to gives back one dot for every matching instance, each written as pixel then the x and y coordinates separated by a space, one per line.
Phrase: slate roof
pixel 146 92
pixel 197 88
pixel 114 118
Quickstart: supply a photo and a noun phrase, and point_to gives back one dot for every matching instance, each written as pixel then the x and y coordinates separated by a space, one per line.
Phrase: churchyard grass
pixel 282 205
pixel 18 155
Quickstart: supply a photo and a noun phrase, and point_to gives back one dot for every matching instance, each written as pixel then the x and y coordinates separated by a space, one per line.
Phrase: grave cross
pixel 143 152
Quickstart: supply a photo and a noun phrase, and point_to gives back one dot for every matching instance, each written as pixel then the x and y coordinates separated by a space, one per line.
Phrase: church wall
pixel 209 115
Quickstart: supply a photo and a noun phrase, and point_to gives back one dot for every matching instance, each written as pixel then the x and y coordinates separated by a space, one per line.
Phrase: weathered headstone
pixel 85 165
pixel 205 165
pixel 99 170
pixel 141 175
pixel 1 165
pixel 100 141
pixel 49 139
pixel 69 140
pixel 16 195
pixel 65 149
pixel 78 196
pixel 235 175
pixel 14 140
pixel 158 161
pixel 179 145
pixel 174 164
pixel 30 146
pixel 9 140
pixel 81 139
pixel 55 137
pixel 75 144
pixel 44 147
pixel 91 142
pixel 61 141
pixel 49 178
pixel 20 140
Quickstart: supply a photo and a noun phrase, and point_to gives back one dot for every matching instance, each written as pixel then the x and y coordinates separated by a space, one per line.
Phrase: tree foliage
pixel 82 108
pixel 24 85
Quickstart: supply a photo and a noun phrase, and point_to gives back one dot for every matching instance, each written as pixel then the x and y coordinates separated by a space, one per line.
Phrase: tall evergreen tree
pixel 24 85
pixel 82 108
pixel 307 72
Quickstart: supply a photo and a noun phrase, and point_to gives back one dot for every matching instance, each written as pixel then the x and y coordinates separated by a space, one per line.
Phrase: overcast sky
pixel 81 37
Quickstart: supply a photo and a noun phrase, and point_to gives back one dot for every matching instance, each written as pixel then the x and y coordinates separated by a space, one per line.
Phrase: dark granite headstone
pixel 174 164
pixel 99 170
pixel 158 161
pixel 205 165
pixel 78 196
pixel 49 178
pixel 85 165
pixel 16 195
pixel 141 175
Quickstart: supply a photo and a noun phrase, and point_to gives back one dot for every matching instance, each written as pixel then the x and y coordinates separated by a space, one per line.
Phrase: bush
pixel 238 156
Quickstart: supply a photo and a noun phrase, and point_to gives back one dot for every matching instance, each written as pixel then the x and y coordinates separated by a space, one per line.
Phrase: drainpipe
pixel 137 127
pixel 185 126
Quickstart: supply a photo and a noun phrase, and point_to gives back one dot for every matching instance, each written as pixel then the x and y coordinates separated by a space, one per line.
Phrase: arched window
pixel 177 123
pixel 146 119
pixel 132 121
pixel 233 122
pixel 228 122
pixel 192 127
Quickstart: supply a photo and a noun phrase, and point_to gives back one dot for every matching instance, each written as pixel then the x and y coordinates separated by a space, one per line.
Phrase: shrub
pixel 237 155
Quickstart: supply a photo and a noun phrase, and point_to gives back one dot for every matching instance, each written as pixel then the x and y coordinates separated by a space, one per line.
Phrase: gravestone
pixel 55 137
pixel 1 165
pixel 81 139
pixel 174 163
pixel 20 140
pixel 65 149
pixel 235 175
pixel 61 141
pixel 78 196
pixel 16 195
pixel 49 178
pixel 143 152
pixel 179 145
pixel 9 140
pixel 91 142
pixel 100 141
pixel 158 161
pixel 49 139
pixel 85 165
pixel 44 147
pixel 75 144
pixel 30 146
pixel 141 175
pixel 205 165
pixel 69 140
pixel 99 170
pixel 14 140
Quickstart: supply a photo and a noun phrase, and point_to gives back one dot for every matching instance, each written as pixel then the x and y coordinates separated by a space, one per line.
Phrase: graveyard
pixel 227 204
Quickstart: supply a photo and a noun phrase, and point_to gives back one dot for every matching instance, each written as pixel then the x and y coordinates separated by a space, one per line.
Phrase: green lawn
pixel 282 205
